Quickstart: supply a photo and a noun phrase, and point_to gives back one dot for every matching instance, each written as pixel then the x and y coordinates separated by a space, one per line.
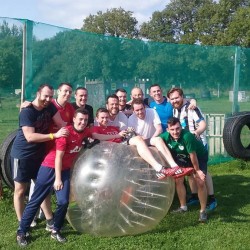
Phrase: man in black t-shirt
pixel 81 96
pixel 29 148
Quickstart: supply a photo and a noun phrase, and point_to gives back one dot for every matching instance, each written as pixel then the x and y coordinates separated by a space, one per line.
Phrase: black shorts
pixel 23 170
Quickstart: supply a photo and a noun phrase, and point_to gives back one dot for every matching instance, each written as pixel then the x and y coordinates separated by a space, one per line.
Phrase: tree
pixel 176 23
pixel 10 56
pixel 114 22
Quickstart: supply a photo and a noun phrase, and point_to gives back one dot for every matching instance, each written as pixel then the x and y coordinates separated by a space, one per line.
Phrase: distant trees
pixel 115 22
pixel 10 56
pixel 206 22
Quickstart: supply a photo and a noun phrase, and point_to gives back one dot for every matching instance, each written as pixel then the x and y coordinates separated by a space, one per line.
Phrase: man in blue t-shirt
pixel 160 103
pixel 28 148
pixel 162 106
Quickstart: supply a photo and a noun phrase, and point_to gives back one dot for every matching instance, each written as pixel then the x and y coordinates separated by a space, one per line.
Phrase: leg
pixel 144 152
pixel 46 207
pixel 202 193
pixel 209 183
pixel 42 188
pixel 62 197
pixel 161 146
pixel 181 191
pixel 19 197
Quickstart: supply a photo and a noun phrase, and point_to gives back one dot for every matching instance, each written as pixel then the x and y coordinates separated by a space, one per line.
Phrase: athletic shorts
pixel 24 170
pixel 202 160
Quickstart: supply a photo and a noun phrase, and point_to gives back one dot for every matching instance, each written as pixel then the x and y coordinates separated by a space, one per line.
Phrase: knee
pixel 179 181
pixel 63 202
pixel 155 140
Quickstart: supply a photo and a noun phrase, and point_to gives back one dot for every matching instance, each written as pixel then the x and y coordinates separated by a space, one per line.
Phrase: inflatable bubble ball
pixel 114 192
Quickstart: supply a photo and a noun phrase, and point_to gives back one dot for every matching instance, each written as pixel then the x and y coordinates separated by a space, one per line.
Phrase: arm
pixel 31 136
pixel 103 137
pixel 195 163
pixel 58 185
pixel 25 104
pixel 193 104
pixel 201 128
pixel 57 119
pixel 158 130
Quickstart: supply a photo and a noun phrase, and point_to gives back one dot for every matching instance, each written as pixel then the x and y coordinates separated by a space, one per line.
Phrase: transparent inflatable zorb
pixel 114 192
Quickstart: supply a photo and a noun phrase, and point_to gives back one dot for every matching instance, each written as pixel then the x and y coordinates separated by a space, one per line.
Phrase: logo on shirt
pixel 181 147
pixel 75 150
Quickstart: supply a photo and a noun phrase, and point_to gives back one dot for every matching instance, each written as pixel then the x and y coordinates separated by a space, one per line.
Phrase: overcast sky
pixel 70 13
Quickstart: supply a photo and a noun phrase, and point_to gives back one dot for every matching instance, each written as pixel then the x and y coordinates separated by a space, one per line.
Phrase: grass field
pixel 227 227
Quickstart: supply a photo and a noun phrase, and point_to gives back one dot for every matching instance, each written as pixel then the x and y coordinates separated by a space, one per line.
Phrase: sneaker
pixel 176 172
pixel 193 201
pixel 203 217
pixel 179 210
pixel 160 175
pixel 21 240
pixel 49 227
pixel 33 223
pixel 211 205
pixel 57 236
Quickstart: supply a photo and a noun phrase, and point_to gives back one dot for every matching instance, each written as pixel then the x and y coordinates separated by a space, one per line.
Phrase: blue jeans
pixel 44 184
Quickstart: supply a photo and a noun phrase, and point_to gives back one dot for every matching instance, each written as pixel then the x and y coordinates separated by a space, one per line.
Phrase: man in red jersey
pixel 103 132
pixel 55 172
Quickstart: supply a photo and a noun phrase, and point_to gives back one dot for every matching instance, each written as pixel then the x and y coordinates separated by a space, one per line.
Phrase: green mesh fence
pixel 210 74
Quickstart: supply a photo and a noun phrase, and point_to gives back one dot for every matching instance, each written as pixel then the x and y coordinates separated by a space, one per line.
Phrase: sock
pixel 184 208
pixel 50 222
pixel 158 167
pixel 194 195
pixel 211 197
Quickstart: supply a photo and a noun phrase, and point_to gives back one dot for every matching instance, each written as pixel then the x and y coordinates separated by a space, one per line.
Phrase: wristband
pixel 51 136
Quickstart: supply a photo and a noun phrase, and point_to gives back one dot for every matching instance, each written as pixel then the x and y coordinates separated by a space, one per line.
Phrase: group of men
pixel 51 132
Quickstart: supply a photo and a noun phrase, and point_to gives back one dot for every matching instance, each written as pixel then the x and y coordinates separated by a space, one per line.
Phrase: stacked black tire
pixel 232 135
pixel 5 149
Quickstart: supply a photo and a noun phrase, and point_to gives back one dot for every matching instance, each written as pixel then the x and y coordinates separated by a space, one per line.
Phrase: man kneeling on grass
pixel 55 172
pixel 103 132
pixel 187 151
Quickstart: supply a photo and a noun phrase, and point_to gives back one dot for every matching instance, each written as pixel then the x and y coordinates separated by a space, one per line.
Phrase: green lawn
pixel 227 228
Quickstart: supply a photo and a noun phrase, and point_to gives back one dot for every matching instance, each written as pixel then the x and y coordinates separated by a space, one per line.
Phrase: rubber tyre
pixel 231 135
pixel 5 149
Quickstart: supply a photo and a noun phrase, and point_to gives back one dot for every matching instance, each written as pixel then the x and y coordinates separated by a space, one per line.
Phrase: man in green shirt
pixel 187 151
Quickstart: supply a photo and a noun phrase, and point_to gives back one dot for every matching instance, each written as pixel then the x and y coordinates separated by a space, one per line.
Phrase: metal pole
pixel 235 106
pixel 24 61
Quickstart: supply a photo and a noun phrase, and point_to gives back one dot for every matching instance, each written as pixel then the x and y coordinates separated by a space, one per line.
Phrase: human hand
pixel 122 133
pixel 62 132
pixel 25 104
pixel 192 104
pixel 201 175
pixel 58 185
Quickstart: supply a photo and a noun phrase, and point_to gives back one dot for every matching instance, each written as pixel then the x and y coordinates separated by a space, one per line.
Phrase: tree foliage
pixel 205 22
pixel 10 57
pixel 115 22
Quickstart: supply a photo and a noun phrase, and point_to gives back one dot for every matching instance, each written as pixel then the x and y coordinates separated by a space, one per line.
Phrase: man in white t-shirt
pixel 146 123
pixel 116 118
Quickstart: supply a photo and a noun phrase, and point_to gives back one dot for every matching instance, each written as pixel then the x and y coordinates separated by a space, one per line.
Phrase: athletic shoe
pixel 203 217
pixel 33 223
pixel 21 240
pixel 176 172
pixel 193 201
pixel 57 236
pixel 160 175
pixel 179 211
pixel 211 205
pixel 49 227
